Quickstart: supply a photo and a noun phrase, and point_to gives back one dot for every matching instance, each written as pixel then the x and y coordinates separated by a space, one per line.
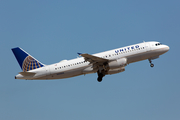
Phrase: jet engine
pixel 114 71
pixel 117 63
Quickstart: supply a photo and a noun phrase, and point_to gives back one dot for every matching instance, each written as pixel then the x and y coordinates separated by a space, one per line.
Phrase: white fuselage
pixel 78 66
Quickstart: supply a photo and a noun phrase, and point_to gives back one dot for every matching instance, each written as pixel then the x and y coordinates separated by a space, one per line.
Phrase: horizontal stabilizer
pixel 27 73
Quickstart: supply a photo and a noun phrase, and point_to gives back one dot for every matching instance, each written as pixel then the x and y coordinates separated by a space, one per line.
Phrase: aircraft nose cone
pixel 166 48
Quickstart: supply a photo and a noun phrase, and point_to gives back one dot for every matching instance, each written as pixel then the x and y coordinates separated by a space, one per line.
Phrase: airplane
pixel 104 63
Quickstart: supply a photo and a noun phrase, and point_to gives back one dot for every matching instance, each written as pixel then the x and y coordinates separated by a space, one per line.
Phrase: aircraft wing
pixel 92 58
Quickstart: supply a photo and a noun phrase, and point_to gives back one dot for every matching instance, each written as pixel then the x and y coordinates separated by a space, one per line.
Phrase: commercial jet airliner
pixel 104 63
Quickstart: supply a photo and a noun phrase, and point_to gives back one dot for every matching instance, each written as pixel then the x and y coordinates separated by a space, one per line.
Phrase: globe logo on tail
pixel 30 64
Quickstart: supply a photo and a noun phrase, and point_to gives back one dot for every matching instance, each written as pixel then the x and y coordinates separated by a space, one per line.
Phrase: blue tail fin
pixel 26 61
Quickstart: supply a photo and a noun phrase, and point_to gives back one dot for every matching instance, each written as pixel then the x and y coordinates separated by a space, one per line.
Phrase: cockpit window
pixel 157 44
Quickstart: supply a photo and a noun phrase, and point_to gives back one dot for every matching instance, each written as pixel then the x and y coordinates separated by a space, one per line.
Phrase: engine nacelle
pixel 117 63
pixel 89 70
pixel 114 71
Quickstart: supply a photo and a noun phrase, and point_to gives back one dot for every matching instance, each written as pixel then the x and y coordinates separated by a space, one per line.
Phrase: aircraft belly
pixel 66 74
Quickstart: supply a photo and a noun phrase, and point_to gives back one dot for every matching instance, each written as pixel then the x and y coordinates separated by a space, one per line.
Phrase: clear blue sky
pixel 55 30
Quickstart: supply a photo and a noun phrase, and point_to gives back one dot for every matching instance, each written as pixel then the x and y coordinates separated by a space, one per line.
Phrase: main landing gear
pixel 100 75
pixel 151 64
pixel 102 70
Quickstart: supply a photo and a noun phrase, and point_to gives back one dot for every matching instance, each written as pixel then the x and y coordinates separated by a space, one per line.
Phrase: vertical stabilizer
pixel 26 61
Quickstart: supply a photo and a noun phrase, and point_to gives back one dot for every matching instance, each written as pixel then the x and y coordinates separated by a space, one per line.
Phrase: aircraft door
pixel 147 46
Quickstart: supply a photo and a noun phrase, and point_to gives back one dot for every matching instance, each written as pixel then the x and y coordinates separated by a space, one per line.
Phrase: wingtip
pixel 79 53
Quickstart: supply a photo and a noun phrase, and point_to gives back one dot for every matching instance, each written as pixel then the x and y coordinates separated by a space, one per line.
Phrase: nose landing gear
pixel 100 75
pixel 151 64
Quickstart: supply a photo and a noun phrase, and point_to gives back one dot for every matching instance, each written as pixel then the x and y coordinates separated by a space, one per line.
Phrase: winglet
pixel 79 53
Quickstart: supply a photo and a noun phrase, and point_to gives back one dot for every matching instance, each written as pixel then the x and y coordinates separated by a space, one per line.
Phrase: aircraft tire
pixel 100 76
pixel 152 65
pixel 99 79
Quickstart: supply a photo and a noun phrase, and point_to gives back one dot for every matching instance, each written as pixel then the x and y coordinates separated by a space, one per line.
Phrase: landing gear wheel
pixel 100 76
pixel 152 65
pixel 99 79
